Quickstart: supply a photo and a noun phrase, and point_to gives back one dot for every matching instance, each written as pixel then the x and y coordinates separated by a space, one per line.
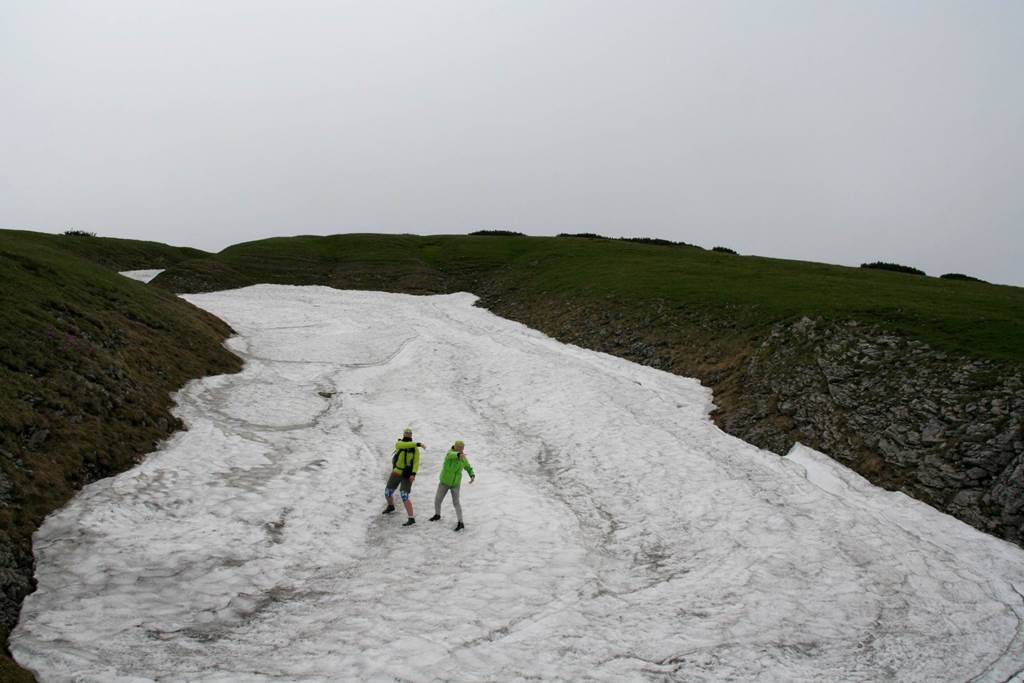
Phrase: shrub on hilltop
pixel 895 267
pixel 79 233
pixel 659 241
pixel 961 276
pixel 507 233
pixel 723 250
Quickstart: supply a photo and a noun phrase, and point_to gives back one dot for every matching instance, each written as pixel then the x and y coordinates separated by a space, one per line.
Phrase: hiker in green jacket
pixel 451 478
pixel 405 464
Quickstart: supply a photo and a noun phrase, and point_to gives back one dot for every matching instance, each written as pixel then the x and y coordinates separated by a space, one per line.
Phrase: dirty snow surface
pixel 613 531
pixel 141 275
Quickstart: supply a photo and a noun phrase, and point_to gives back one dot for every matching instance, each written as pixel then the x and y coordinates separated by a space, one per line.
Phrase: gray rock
pixel 897 409
pixel 37 439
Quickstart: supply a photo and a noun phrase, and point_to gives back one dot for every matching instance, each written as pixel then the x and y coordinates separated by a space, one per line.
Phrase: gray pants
pixel 442 491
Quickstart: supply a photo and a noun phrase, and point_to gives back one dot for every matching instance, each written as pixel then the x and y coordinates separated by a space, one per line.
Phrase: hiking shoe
pixel 434 518
pixel 410 521
pixel 460 526
pixel 388 510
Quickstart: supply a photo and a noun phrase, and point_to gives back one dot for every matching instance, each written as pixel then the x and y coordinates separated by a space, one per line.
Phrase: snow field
pixel 613 531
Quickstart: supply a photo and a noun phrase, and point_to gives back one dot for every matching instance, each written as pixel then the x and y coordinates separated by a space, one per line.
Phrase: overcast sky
pixel 828 131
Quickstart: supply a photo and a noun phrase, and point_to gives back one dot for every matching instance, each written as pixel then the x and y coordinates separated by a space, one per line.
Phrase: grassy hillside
pixel 741 296
pixel 113 253
pixel 88 359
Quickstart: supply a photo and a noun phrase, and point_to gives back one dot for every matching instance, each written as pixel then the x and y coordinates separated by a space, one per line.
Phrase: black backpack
pixel 394 457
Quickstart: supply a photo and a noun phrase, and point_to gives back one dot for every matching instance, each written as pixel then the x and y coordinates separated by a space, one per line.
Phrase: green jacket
pixel 451 472
pixel 407 458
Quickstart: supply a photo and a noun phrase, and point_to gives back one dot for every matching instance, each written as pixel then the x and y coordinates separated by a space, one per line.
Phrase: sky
pixel 842 132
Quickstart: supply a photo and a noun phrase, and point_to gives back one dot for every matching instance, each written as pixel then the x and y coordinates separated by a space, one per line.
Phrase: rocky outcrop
pixel 943 428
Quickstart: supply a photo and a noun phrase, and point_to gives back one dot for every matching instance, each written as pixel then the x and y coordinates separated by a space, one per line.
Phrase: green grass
pixel 110 252
pixel 88 359
pixel 742 292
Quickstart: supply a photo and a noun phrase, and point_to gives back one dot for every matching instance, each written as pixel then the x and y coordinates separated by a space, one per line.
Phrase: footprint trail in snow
pixel 613 531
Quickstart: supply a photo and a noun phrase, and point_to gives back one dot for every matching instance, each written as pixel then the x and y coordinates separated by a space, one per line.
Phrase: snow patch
pixel 613 531
pixel 142 275
pixel 824 472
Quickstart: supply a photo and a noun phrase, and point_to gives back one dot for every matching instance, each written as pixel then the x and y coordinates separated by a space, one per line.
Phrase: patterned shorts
pixel 397 481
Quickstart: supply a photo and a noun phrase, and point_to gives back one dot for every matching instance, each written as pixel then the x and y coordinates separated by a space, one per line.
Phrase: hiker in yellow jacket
pixel 405 464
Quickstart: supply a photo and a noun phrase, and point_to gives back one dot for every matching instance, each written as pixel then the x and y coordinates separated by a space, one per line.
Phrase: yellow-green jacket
pixel 451 471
